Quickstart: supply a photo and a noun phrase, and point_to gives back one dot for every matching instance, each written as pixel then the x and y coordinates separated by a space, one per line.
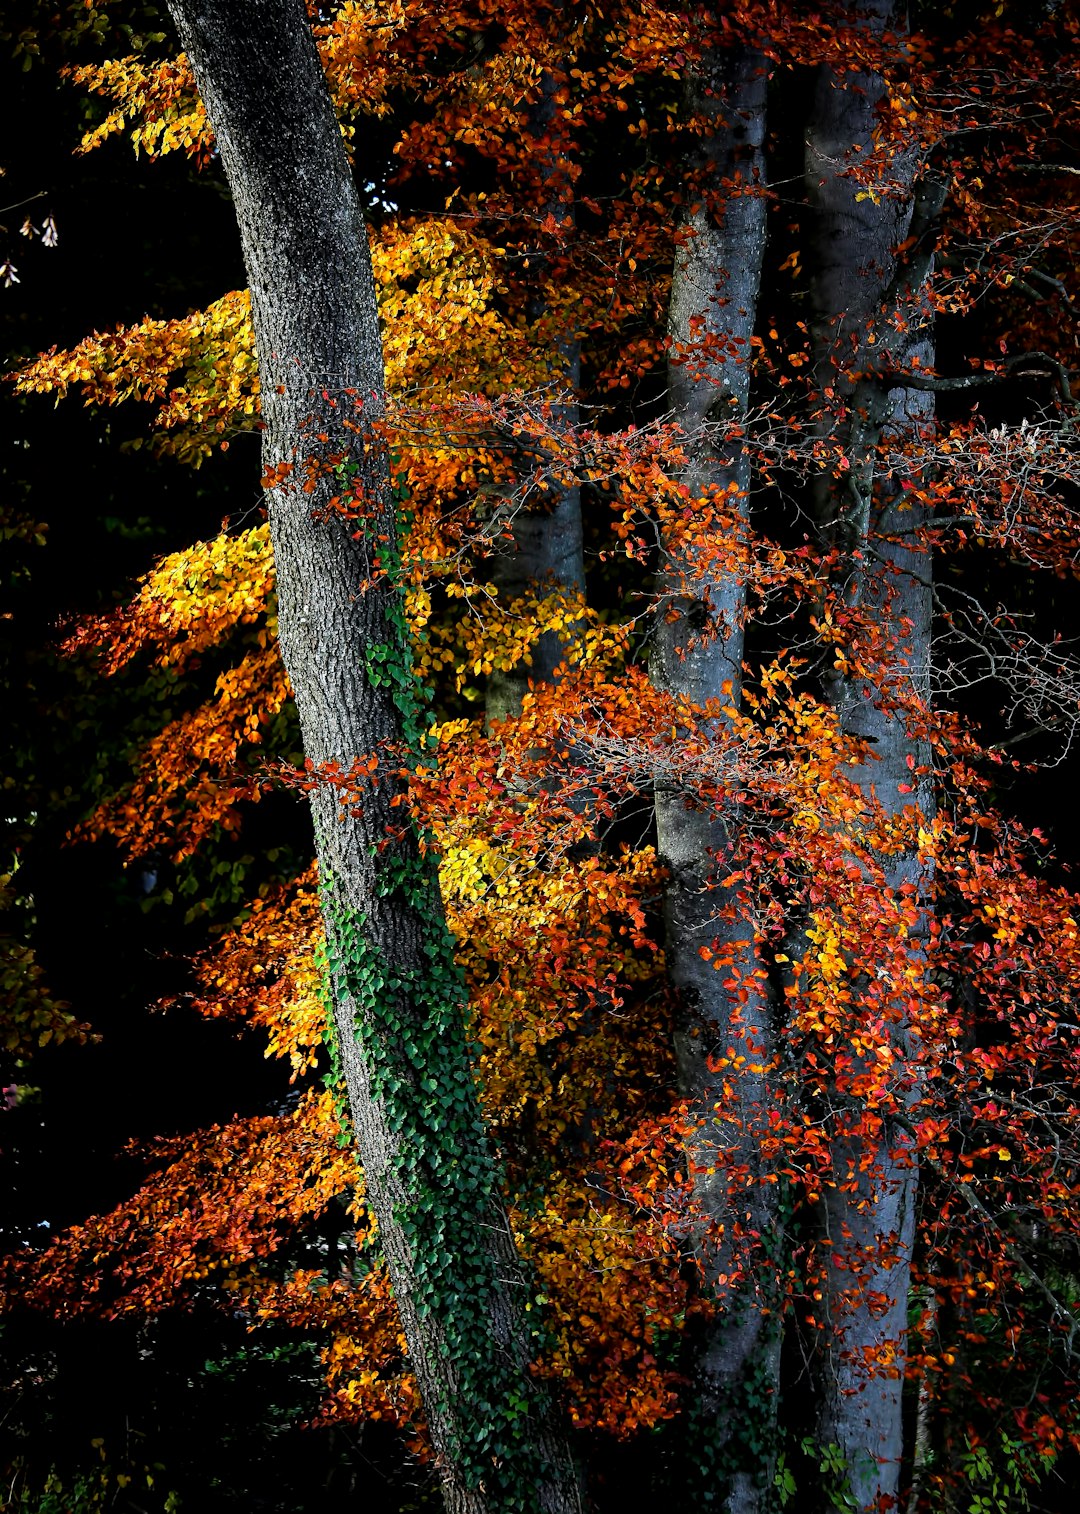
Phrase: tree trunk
pixel 398 999
pixel 868 317
pixel 544 548
pixel 697 658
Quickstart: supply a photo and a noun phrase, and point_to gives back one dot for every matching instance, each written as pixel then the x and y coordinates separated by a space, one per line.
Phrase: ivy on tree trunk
pixel 398 998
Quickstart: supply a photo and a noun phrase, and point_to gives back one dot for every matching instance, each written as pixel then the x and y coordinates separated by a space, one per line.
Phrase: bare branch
pixel 1012 367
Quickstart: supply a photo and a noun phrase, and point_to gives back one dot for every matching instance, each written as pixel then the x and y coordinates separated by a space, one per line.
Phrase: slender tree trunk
pixel 697 658
pixel 922 1450
pixel 868 317
pixel 398 1000
pixel 542 548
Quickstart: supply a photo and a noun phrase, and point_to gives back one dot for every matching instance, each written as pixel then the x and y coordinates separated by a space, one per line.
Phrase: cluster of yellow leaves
pixel 357 47
pixel 572 1044
pixel 439 286
pixel 184 778
pixel 498 635
pixel 159 98
pixel 615 1297
pixel 558 1023
pixel 212 350
pixel 265 969
pixel 552 938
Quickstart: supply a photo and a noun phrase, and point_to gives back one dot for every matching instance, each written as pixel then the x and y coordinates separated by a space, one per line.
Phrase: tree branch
pixel 1012 367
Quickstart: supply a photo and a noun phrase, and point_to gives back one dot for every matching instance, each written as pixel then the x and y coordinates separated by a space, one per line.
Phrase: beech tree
pixel 772 1008
pixel 398 999
pixel 873 249
pixel 698 661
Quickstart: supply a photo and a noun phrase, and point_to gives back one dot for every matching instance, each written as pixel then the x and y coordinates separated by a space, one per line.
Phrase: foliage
pixel 499 244
pixel 102 1486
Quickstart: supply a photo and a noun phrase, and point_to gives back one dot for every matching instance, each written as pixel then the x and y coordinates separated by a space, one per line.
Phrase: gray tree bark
pixel 398 1000
pixel 867 314
pixel 542 546
pixel 697 658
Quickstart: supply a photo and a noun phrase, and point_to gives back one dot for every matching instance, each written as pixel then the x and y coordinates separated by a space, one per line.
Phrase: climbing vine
pixel 442 1184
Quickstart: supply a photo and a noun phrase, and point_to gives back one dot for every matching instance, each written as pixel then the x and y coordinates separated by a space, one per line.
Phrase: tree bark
pixel 697 658
pixel 398 999
pixel 545 548
pixel 868 313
